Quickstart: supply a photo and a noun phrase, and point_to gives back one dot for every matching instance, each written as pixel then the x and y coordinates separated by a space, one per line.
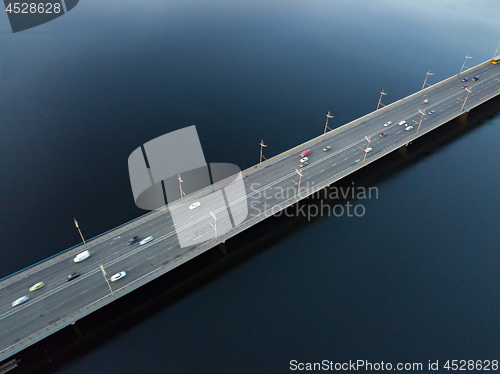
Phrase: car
pixel 304 164
pixel 465 79
pixel 475 78
pixel 382 134
pixel 72 276
pixel 464 87
pixel 36 286
pixel 117 276
pixel 304 160
pixel 21 300
pixel 388 123
pixel 368 150
pixel 431 112
pixel 401 123
pixel 134 240
pixel 327 148
pixel 409 128
pixel 194 205
pixel 424 101
pixel 82 256
pixel 147 240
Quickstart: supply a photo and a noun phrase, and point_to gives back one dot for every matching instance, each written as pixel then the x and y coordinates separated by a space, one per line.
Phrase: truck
pixel 305 153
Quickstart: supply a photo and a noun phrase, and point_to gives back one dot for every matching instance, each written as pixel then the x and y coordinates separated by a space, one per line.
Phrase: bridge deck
pixel 269 188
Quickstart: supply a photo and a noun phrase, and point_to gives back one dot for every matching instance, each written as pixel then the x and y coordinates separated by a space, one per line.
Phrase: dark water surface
pixel 417 278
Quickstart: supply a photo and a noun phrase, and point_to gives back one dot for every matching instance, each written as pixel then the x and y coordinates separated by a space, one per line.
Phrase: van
pixel 82 256
pixel 305 153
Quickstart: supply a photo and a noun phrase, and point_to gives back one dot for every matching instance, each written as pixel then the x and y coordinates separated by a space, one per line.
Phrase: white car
pixel 115 277
pixel 194 206
pixel 20 300
pixel 368 150
pixel 82 256
pixel 401 123
pixel 147 240
pixel 388 123
pixel 409 128
pixel 304 160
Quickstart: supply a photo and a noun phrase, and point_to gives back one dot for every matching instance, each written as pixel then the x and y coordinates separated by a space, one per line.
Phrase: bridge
pixel 270 187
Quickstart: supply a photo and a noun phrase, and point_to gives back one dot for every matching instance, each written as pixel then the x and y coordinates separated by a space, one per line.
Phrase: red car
pixel 305 153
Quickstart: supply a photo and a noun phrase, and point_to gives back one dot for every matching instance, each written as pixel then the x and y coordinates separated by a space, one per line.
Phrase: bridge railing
pixel 72 251
pixel 182 258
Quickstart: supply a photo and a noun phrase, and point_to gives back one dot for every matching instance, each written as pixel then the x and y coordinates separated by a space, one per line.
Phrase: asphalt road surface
pixel 267 186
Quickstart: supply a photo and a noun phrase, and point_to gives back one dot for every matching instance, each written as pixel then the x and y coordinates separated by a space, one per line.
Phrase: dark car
pixel 135 239
pixel 475 78
pixel 304 164
pixel 464 87
pixel 72 276
pixel 465 79
pixel 382 135
pixel 431 112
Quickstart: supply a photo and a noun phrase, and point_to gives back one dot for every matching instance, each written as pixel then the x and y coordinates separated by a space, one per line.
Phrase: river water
pixel 414 278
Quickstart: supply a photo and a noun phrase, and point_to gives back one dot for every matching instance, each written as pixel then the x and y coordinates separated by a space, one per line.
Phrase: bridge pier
pixel 325 190
pixel 464 117
pixel 223 249
pixel 77 330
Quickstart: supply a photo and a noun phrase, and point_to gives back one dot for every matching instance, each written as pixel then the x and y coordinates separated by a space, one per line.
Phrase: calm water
pixel 415 279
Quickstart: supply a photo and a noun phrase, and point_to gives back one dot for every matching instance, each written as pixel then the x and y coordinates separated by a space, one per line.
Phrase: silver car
pixel 82 256
pixel 117 276
pixel 20 300
pixel 147 240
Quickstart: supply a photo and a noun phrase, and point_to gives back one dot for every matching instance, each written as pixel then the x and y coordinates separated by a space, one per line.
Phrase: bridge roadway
pixel 60 303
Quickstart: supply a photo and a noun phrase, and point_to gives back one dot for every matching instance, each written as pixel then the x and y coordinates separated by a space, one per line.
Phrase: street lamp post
pixel 380 100
pixel 180 186
pixel 298 184
pixel 261 155
pixel 326 125
pixel 468 92
pixel 425 81
pixel 214 226
pixel 495 55
pixel 367 147
pixel 76 224
pixel 422 112
pixel 463 65
pixel 104 275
